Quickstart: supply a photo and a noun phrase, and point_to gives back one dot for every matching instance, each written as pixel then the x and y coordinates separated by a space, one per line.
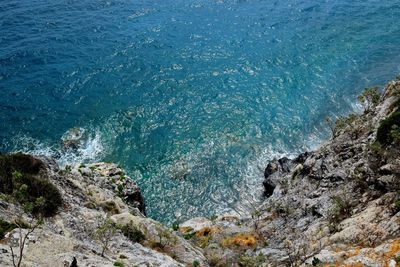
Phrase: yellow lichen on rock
pixel 241 240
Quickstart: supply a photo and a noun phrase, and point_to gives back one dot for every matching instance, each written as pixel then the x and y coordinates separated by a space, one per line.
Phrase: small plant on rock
pixel 217 260
pixel 376 149
pixel 315 261
pixel 23 237
pixel 120 188
pixel 105 233
pixel 133 233
pixel 204 236
pixel 370 98
pixel 376 155
pixel 395 134
pixel 6 227
pixel 360 178
pixel 251 261
pixel 256 216
pixel 341 123
pixel 297 251
pixel 281 209
pixel 68 168
pixel 188 236
pixel 165 239
pixel 396 207
pixel 110 207
pixel 175 226
pixel 341 211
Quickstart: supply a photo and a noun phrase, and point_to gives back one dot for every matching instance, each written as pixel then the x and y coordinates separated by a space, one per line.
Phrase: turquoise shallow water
pixel 191 97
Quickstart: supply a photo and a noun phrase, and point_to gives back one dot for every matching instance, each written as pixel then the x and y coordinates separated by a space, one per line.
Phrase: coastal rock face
pixel 338 205
pixel 112 178
pixel 342 197
pixel 93 194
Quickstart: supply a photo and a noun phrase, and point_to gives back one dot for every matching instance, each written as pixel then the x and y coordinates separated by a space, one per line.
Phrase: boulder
pixel 74 138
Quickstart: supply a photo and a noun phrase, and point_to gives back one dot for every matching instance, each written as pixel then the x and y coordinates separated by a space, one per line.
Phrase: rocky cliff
pixel 338 205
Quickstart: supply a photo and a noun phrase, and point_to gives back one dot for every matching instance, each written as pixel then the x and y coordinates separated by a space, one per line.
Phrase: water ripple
pixel 191 97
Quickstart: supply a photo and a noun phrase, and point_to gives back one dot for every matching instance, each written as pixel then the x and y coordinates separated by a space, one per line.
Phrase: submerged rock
pixel 74 138
pixel 181 170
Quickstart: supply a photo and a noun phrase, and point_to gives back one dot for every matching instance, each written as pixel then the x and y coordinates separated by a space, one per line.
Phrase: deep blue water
pixel 191 97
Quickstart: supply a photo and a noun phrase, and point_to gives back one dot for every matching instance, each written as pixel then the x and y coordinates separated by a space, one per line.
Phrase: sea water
pixel 192 98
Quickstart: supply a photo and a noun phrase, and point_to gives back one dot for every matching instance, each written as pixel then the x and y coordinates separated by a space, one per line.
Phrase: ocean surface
pixel 192 98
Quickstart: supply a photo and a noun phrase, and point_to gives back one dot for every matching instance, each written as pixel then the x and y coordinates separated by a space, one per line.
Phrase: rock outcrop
pixel 338 205
pixel 93 194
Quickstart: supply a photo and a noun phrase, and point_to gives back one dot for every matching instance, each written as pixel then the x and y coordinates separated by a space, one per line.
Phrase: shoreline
pixel 338 204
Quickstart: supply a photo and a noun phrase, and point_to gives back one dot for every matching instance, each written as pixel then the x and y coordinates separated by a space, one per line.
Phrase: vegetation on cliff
pixel 23 179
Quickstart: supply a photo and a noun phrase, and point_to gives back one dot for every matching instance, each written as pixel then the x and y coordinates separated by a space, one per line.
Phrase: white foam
pixel 91 151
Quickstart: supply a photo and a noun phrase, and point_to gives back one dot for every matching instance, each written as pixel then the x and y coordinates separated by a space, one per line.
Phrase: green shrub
pixel 165 238
pixel 104 233
pixel 196 263
pixel 110 207
pixel 175 226
pixel 20 178
pixel 396 206
pixel 281 209
pixel 42 195
pixel 119 264
pixel 16 162
pixel 315 261
pixel 340 123
pixel 341 211
pixel 120 188
pixel 249 261
pixel 395 134
pixel 370 98
pixel 5 227
pixel 133 233
pixel 189 235
pixel 376 149
pixel 385 135
pixel 360 177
